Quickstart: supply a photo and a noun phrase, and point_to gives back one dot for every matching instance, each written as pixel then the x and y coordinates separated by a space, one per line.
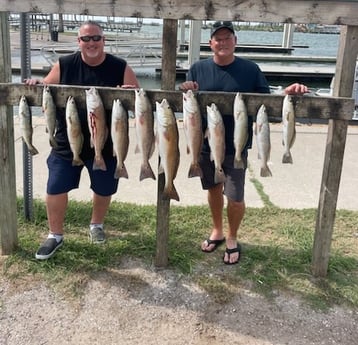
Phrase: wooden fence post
pixel 336 140
pixel 8 215
pixel 170 28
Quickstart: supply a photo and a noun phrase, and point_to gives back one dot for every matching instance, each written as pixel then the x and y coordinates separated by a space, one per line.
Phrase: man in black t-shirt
pixel 228 73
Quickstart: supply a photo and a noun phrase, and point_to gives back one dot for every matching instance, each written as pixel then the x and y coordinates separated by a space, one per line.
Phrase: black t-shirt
pixel 240 76
pixel 73 71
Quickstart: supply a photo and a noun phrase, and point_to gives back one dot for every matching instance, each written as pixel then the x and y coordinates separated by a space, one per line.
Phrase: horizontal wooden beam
pixel 305 106
pixel 282 11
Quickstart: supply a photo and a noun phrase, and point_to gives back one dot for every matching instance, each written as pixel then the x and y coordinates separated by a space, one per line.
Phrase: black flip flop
pixel 231 251
pixel 216 244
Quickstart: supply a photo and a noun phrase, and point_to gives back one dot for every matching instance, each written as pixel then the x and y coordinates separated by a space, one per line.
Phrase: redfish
pixel 168 147
pixel 120 137
pixel 97 125
pixel 193 131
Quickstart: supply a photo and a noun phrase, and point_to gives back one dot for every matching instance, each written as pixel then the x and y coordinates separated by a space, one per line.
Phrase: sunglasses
pixel 224 23
pixel 95 38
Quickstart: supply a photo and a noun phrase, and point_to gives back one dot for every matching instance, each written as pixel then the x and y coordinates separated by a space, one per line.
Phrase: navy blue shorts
pixel 64 177
pixel 235 178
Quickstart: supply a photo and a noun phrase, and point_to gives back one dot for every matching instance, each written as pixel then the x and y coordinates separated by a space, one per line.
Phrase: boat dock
pixel 146 53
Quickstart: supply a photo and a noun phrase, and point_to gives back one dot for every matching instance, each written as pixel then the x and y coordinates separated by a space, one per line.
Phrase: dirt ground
pixel 135 304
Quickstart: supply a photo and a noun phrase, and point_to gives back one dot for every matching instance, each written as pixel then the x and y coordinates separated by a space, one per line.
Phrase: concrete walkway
pixel 291 186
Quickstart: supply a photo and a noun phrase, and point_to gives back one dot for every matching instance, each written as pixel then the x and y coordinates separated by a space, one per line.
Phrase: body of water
pixel 317 44
pixel 313 44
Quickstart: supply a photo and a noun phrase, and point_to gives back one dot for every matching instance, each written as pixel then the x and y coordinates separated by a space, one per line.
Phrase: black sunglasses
pixel 95 38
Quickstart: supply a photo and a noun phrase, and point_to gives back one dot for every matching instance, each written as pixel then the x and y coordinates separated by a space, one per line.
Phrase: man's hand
pixel 32 81
pixel 189 85
pixel 296 89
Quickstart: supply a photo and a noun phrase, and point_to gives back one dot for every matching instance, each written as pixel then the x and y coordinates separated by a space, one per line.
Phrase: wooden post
pixel 336 140
pixel 8 216
pixel 170 28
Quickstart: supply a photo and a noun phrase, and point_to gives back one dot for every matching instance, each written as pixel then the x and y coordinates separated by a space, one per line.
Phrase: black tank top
pixel 73 71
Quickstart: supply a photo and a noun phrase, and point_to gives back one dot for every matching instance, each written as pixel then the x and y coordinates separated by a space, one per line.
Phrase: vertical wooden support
pixel 8 216
pixel 170 28
pixel 336 140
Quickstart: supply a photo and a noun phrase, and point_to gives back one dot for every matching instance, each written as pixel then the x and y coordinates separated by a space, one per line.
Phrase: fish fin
pixel 146 171
pixel 239 163
pixel 99 164
pixel 265 171
pixel 170 193
pixel 77 162
pixel 219 175
pixel 195 170
pixel 287 158
pixel 121 171
pixel 33 150
pixel 53 143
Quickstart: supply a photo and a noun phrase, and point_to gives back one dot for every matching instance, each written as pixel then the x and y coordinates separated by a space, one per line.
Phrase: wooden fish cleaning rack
pixel 337 109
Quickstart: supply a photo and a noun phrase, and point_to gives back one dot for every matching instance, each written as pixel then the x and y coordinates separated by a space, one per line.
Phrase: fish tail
pixel 195 170
pixel 238 163
pixel 99 164
pixel 33 150
pixel 265 171
pixel 146 171
pixel 287 158
pixel 219 175
pixel 77 162
pixel 121 171
pixel 53 142
pixel 170 192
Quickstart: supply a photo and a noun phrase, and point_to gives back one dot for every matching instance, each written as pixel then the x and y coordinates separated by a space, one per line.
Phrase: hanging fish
pixel 289 128
pixel 49 111
pixel 168 147
pixel 74 131
pixel 120 137
pixel 144 126
pixel 26 125
pixel 262 131
pixel 97 126
pixel 216 138
pixel 241 133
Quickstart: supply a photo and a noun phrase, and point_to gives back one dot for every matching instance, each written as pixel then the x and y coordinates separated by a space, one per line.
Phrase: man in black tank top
pixel 91 66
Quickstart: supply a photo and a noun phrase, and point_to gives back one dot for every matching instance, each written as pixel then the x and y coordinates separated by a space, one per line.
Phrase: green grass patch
pixel 276 258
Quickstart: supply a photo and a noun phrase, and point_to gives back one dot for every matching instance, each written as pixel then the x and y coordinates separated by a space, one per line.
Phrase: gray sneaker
pixel 97 235
pixel 48 248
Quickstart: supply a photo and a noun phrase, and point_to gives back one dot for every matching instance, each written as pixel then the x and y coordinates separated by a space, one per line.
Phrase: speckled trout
pixel 144 126
pixel 288 128
pixel 74 131
pixel 262 131
pixel 49 111
pixel 216 138
pixel 168 147
pixel 26 125
pixel 97 125
pixel 193 131
pixel 120 137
